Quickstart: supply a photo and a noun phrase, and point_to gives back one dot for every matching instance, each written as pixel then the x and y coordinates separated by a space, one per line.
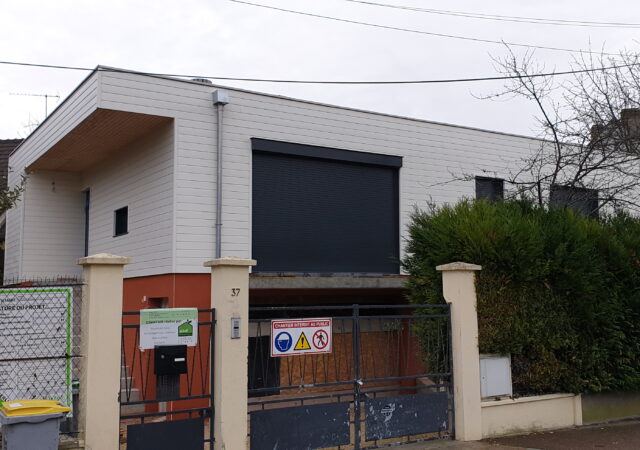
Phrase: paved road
pixel 624 435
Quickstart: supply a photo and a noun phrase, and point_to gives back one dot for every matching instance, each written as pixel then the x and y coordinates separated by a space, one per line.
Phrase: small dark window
pixel 581 200
pixel 490 189
pixel 121 221
pixel 158 302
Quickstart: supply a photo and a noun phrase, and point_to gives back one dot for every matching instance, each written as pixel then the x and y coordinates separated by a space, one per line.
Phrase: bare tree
pixel 590 130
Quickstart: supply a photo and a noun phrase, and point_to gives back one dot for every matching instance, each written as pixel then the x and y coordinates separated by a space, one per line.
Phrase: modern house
pixel 174 172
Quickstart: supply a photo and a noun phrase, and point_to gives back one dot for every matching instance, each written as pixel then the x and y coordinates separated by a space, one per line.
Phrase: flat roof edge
pixel 311 102
pixel 24 141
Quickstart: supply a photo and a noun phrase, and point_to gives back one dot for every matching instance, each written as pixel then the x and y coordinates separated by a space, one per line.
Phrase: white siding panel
pixel 434 155
pixel 53 225
pixel 192 108
pixel 80 104
pixel 13 234
pixel 168 179
pixel 140 177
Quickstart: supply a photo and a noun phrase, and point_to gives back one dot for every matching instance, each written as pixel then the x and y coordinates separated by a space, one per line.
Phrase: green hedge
pixel 558 291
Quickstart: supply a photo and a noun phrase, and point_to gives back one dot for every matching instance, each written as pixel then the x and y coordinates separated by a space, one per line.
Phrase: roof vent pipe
pixel 202 80
pixel 220 98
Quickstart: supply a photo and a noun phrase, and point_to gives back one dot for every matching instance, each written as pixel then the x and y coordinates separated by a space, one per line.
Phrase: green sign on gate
pixel 168 326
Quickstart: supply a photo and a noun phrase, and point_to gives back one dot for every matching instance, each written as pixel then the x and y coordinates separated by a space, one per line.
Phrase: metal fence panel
pixel 391 364
pixel 40 348
pixel 314 426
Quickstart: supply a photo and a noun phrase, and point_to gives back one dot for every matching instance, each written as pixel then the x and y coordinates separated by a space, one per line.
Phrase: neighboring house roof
pixel 6 147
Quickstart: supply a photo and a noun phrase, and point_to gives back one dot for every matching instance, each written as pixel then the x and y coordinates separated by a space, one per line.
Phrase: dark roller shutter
pixel 320 210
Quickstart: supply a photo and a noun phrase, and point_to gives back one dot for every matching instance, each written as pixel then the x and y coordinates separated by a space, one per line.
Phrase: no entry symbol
pixel 320 339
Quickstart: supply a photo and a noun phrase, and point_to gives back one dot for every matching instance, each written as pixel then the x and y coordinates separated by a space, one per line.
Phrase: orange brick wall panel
pixel 180 290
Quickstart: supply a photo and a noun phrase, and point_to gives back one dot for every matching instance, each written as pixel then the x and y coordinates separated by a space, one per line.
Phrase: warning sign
pixel 300 336
pixel 302 344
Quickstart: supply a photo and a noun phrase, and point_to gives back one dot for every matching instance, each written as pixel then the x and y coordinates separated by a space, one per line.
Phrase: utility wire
pixel 521 19
pixel 272 80
pixel 429 33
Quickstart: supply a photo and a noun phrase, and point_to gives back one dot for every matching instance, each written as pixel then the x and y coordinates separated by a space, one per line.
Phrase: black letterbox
pixel 170 360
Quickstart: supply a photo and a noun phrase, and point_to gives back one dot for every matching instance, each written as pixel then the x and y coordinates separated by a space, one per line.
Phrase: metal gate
pixel 387 380
pixel 161 413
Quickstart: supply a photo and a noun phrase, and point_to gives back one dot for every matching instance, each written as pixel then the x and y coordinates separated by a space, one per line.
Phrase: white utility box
pixel 495 376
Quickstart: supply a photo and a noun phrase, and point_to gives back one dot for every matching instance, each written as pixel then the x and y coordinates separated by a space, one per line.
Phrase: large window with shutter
pixel 324 210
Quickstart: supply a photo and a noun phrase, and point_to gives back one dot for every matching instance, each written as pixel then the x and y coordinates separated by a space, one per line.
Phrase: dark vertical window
pixel 87 202
pixel 490 189
pixel 121 221
pixel 582 200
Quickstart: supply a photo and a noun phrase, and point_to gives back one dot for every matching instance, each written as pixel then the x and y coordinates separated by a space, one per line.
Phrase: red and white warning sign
pixel 300 336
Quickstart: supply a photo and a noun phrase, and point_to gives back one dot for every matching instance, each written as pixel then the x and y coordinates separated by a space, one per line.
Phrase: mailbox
pixel 170 360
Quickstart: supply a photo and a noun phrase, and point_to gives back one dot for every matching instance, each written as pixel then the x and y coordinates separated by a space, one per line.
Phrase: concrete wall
pixel 527 414
pixel 600 407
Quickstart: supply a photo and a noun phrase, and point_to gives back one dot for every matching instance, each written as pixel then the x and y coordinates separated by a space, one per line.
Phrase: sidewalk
pixel 615 435
pixel 623 435
pixel 482 445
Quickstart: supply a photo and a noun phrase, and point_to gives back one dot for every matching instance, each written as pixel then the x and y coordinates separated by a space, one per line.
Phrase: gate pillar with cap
pixel 458 283
pixel 230 298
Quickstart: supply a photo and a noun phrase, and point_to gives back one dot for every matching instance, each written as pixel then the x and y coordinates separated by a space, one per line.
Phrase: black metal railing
pixel 141 397
pixel 380 352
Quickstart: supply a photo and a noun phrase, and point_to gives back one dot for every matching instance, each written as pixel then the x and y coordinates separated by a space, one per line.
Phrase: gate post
pixel 458 286
pixel 230 298
pixel 101 325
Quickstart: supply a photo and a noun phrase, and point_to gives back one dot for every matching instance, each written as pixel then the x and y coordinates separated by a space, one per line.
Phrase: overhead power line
pixel 498 17
pixel 429 33
pixel 338 82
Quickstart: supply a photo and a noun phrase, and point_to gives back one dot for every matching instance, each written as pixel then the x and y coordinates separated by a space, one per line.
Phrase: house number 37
pixel 235 292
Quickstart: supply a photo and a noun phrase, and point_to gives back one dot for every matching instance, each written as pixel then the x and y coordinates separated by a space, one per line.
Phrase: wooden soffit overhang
pixel 101 134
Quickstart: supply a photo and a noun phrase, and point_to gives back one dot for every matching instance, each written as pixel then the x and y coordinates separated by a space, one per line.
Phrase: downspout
pixel 220 98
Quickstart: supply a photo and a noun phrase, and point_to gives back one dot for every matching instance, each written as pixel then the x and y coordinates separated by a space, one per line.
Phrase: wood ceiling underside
pixel 100 134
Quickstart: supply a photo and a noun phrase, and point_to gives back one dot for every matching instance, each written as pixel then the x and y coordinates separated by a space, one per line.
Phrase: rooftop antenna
pixel 46 99
pixel 31 125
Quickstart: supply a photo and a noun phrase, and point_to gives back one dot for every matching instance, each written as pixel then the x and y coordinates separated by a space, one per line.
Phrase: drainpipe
pixel 220 98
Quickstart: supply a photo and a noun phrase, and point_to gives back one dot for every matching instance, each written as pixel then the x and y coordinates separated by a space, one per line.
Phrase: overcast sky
pixel 223 38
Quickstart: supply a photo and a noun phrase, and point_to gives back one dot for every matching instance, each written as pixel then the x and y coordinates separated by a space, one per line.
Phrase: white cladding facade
pixel 167 177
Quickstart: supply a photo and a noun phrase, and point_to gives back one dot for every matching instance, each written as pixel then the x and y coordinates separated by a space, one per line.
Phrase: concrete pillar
pixel 101 325
pixel 458 280
pixel 230 298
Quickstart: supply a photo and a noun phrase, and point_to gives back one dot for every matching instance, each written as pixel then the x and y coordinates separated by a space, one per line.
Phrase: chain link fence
pixel 40 342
